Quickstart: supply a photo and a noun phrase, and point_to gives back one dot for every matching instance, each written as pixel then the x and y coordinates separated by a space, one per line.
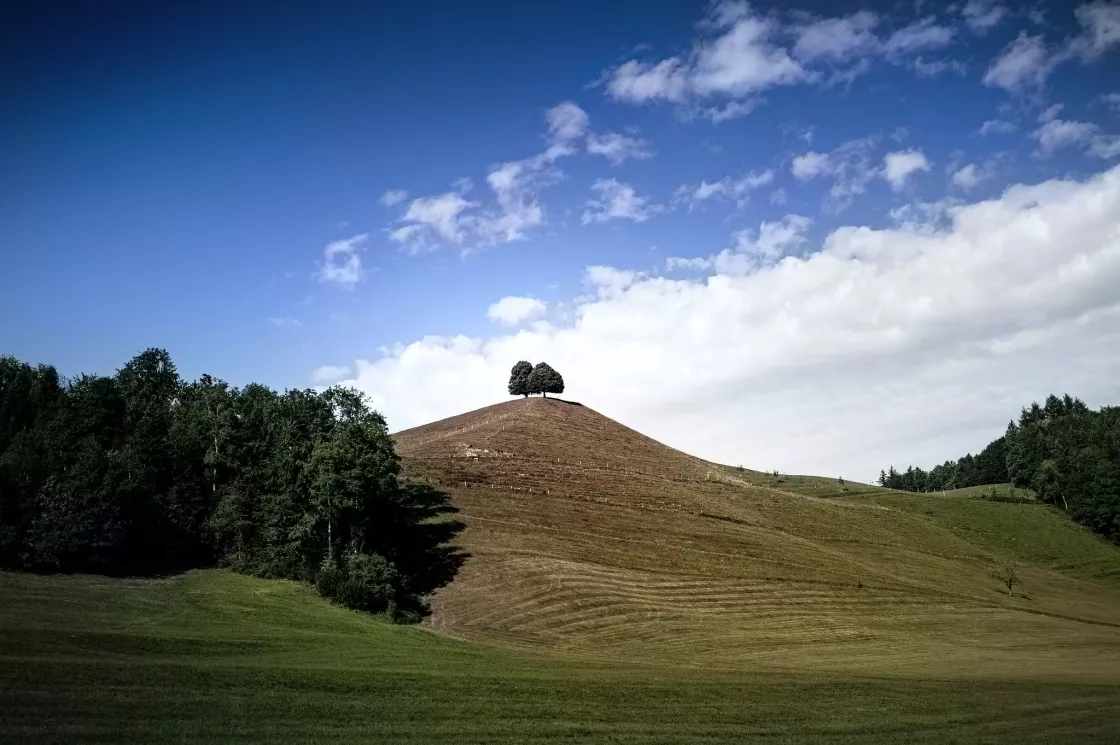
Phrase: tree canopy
pixel 519 378
pixel 1065 452
pixel 142 473
pixel 544 380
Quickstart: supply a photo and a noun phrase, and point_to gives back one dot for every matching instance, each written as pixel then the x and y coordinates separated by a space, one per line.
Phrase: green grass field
pixel 617 591
pixel 216 657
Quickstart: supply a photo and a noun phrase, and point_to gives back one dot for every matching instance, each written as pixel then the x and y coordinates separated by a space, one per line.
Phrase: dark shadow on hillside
pixel 427 554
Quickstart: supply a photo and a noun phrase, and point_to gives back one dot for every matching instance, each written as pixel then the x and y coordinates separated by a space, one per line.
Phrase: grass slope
pixel 216 657
pixel 591 539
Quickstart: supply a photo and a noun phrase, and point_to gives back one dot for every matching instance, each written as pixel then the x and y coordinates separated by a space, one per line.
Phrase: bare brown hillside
pixel 590 537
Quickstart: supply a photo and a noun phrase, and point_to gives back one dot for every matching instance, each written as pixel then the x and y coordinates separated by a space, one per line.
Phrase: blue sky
pixel 348 192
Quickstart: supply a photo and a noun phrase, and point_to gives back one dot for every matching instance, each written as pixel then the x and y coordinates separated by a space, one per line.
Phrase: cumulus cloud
pixel 898 167
pixel 617 201
pixel 567 122
pixel 921 36
pixel 1056 134
pixel 1023 64
pixel 342 262
pixel 1027 62
pixel 880 346
pixel 330 374
pixel 970 176
pixel 618 147
pixel 1100 22
pixel 750 249
pixel 728 188
pixel 393 197
pixel 982 16
pixel 737 57
pixel 996 126
pixel 836 39
pixel 450 219
pixel 849 168
pixel 513 311
pixel 740 53
pixel 809 166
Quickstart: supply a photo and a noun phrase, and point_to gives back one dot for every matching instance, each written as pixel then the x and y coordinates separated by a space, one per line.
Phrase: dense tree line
pixel 1065 452
pixel 525 379
pixel 989 467
pixel 142 472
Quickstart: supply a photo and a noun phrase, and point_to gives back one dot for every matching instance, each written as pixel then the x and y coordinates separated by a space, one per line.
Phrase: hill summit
pixel 588 536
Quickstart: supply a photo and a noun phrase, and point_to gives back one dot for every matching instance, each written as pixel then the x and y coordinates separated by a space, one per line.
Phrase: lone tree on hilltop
pixel 544 380
pixel 519 379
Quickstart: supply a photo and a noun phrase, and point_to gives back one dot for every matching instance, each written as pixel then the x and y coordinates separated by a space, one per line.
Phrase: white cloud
pixel 1026 63
pixel 750 249
pixel 342 263
pixel 513 311
pixel 393 197
pixel 1056 134
pixel 439 216
pixel 735 189
pixel 639 82
pixel 566 122
pixel 885 346
pixel 1023 64
pixel 921 36
pixel 618 147
pixel 470 225
pixel 848 166
pixel 617 201
pixel 809 166
pixel 837 39
pixel 330 374
pixel 996 126
pixel 285 322
pixel 1113 100
pixel 773 239
pixel 969 177
pixel 1101 29
pixel 898 167
pixel 983 15
pixel 736 58
pixel 727 112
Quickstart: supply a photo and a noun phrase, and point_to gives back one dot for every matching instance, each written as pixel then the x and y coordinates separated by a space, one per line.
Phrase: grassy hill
pixel 589 538
pixel 617 591
pixel 217 657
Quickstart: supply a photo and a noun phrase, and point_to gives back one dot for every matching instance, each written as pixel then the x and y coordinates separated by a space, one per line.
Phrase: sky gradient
pixel 822 239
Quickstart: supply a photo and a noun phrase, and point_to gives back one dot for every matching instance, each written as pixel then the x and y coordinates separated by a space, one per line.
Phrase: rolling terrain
pixel 591 539
pixel 617 590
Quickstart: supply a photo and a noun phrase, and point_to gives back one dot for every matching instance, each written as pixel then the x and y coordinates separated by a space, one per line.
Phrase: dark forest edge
pixel 1068 454
pixel 143 473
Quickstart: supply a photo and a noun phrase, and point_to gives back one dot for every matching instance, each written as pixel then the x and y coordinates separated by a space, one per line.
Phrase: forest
pixel 143 473
pixel 1068 454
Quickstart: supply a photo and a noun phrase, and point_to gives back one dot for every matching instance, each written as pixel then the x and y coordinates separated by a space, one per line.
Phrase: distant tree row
pixel 989 467
pixel 526 380
pixel 1065 452
pixel 142 472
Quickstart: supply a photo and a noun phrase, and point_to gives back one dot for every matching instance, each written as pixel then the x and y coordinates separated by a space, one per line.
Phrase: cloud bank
pixel 880 346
